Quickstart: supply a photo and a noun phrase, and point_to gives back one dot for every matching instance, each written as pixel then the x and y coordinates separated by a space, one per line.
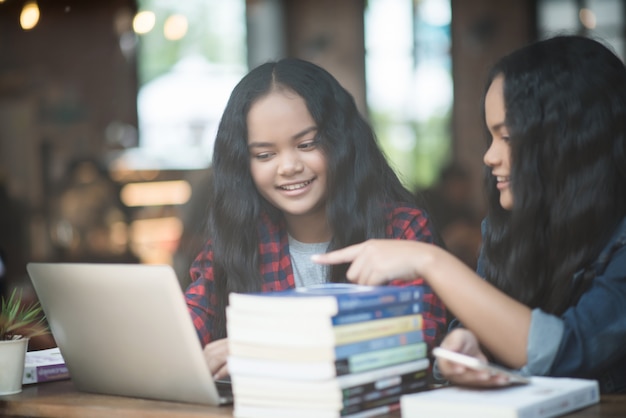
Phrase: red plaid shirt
pixel 404 223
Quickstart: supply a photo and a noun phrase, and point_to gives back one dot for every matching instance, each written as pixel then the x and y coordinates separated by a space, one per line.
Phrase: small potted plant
pixel 18 323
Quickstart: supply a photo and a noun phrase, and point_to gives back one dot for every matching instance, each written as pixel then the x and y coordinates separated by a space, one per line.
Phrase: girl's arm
pixel 200 291
pixel 499 322
pixel 408 223
pixel 198 294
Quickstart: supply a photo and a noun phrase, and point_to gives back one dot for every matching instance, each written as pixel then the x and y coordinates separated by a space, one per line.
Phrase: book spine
pixel 375 395
pixel 45 373
pixel 390 341
pixel 350 380
pixel 243 366
pixel 377 313
pixel 365 406
pixel 387 295
pixel 394 393
pixel 382 358
pixel 363 391
pixel 373 409
pixel 346 334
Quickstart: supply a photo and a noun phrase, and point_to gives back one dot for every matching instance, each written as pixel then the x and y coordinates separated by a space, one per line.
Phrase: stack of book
pixel 44 366
pixel 335 350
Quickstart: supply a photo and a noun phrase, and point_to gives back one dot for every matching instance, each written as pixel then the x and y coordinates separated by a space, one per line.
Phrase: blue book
pixel 316 353
pixel 387 311
pixel 329 299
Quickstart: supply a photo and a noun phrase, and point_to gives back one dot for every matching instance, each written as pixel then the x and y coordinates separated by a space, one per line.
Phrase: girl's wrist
pixel 429 261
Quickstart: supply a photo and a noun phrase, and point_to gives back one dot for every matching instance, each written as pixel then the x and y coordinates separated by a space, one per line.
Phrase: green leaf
pixel 17 319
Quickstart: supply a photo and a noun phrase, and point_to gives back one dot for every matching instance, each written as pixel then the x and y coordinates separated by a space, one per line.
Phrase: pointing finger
pixel 344 255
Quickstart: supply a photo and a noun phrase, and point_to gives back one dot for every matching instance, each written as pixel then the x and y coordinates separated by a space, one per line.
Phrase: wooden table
pixel 60 399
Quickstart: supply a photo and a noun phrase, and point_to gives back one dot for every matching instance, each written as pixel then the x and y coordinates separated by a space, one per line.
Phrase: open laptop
pixel 124 329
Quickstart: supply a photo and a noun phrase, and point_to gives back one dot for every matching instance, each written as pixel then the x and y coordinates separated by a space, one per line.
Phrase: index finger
pixel 344 255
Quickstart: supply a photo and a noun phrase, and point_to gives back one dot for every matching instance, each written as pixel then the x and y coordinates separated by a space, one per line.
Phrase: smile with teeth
pixel 296 186
pixel 502 179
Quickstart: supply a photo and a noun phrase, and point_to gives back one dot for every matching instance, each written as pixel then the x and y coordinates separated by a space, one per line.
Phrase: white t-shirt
pixel 305 271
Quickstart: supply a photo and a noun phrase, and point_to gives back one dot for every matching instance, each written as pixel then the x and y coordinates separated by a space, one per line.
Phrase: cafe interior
pixel 108 108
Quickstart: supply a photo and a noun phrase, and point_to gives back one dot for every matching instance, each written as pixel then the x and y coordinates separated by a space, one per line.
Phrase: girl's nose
pixel 290 163
pixel 491 156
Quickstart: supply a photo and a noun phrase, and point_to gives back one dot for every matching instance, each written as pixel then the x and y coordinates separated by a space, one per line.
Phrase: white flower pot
pixel 12 355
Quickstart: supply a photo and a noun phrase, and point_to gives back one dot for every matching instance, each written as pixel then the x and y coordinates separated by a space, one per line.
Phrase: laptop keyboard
pixel 224 389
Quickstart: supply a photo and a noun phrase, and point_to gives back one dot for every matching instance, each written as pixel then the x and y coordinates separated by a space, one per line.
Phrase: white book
pixel 543 397
pixel 247 411
pixel 242 366
pixel 325 299
pixel 412 376
pixel 44 366
pixel 276 332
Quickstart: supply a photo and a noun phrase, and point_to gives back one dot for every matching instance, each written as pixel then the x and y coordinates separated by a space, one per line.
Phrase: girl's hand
pixel 377 261
pixel 500 322
pixel 464 341
pixel 215 354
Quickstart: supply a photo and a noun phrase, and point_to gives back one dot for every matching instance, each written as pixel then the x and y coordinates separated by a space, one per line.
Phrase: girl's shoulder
pixel 405 210
pixel 408 221
pixel 614 246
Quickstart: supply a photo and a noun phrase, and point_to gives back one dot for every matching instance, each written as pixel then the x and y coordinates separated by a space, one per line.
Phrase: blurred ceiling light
pixel 30 15
pixel 155 240
pixel 143 22
pixel 175 27
pixel 587 18
pixel 156 193
pixel 156 229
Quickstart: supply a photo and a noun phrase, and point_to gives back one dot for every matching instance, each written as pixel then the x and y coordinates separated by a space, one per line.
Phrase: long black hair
pixel 360 181
pixel 565 101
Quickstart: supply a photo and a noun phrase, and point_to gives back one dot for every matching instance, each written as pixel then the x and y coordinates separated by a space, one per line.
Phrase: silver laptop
pixel 124 329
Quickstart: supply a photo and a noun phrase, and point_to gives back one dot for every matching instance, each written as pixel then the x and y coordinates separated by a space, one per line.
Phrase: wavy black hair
pixel 360 180
pixel 565 101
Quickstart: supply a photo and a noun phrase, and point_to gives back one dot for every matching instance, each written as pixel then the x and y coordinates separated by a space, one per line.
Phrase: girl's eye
pixel 308 145
pixel 262 156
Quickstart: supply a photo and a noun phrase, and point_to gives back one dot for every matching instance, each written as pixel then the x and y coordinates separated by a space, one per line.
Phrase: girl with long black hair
pixel 554 241
pixel 296 171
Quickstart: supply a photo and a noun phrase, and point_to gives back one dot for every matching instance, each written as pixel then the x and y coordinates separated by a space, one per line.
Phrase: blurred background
pixel 108 108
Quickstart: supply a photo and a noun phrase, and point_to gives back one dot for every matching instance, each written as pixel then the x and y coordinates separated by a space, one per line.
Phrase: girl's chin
pixel 506 202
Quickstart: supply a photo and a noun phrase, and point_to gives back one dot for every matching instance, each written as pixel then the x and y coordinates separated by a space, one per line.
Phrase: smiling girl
pixel 296 171
pixel 553 298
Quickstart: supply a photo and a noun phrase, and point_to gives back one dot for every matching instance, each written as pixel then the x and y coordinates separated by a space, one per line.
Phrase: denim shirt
pixel 589 339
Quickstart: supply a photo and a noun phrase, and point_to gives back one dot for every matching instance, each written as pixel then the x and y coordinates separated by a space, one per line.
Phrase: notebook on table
pixel 124 329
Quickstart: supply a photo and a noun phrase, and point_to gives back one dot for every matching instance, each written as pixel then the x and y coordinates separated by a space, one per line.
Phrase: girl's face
pixel 288 167
pixel 498 156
